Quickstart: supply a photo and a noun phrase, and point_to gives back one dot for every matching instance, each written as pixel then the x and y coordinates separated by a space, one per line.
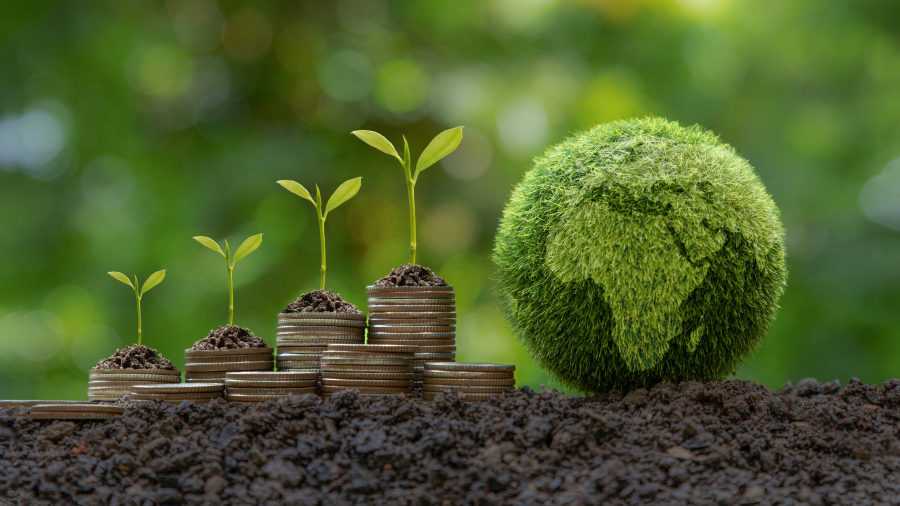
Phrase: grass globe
pixel 638 252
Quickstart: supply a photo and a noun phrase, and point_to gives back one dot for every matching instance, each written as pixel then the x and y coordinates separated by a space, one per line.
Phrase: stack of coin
pixel 269 386
pixel 74 411
pixel 198 393
pixel 474 382
pixel 210 366
pixel 371 369
pixel 302 337
pixel 423 316
pixel 6 404
pixel 111 384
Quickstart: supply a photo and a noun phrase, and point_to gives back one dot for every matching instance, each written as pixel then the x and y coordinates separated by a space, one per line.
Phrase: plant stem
pixel 411 191
pixel 138 297
pixel 230 295
pixel 322 239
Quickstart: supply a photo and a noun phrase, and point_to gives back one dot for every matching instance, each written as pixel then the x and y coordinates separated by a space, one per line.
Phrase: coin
pixel 83 407
pixel 423 343
pixel 271 376
pixel 376 321
pixel 107 392
pixel 368 348
pixel 468 374
pixel 451 382
pixel 319 322
pixel 216 375
pixel 228 351
pixel 322 316
pixel 308 330
pixel 297 364
pixel 469 366
pixel 260 397
pixel 272 385
pixel 28 403
pixel 328 368
pixel 410 308
pixel 435 355
pixel 309 389
pixel 179 388
pixel 342 355
pixel 417 329
pixel 175 397
pixel 367 390
pixel 438 349
pixel 367 376
pixel 363 361
pixel 318 340
pixel 70 415
pixel 408 289
pixel 417 301
pixel 329 395
pixel 135 378
pixel 467 389
pixel 429 396
pixel 414 315
pixel 119 384
pixel 299 356
pixel 326 381
pixel 381 334
pixel 228 358
pixel 229 366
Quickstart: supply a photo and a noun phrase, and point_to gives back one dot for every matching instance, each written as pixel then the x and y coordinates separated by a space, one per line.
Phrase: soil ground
pixel 321 301
pixel 733 443
pixel 135 357
pixel 229 337
pixel 411 275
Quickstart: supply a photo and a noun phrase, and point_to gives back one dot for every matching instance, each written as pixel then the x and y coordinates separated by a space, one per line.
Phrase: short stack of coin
pixel 302 337
pixel 423 316
pixel 210 366
pixel 112 384
pixel 370 369
pixel 74 411
pixel 474 382
pixel 198 393
pixel 269 386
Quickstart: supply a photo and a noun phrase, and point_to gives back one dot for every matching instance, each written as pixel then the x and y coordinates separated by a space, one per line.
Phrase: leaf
pixel 297 189
pixel 249 246
pixel 406 160
pixel 121 277
pixel 209 243
pixel 154 279
pixel 344 192
pixel 377 141
pixel 442 145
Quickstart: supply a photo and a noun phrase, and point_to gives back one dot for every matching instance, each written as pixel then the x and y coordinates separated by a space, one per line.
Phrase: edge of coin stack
pixel 110 385
pixel 253 386
pixel 474 382
pixel 370 369
pixel 198 393
pixel 302 337
pixel 74 411
pixel 210 366
pixel 423 316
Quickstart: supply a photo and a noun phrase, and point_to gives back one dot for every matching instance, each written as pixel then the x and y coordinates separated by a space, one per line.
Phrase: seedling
pixel 154 279
pixel 344 192
pixel 439 147
pixel 249 246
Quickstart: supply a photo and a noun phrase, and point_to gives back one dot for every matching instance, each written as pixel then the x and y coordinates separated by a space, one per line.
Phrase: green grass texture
pixel 638 252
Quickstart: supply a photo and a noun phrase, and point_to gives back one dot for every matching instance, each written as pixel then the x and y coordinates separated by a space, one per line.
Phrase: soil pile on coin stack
pixel 229 348
pixel 370 369
pixel 115 376
pixel 198 393
pixel 74 411
pixel 312 322
pixel 269 386
pixel 473 382
pixel 412 306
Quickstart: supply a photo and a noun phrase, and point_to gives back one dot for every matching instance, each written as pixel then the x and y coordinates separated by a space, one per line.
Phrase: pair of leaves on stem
pixel 442 145
pixel 154 279
pixel 249 246
pixel 344 192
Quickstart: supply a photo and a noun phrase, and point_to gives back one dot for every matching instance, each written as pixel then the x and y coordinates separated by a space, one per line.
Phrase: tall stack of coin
pixel 111 384
pixel 371 369
pixel 423 316
pixel 475 382
pixel 198 393
pixel 269 386
pixel 210 366
pixel 75 412
pixel 302 337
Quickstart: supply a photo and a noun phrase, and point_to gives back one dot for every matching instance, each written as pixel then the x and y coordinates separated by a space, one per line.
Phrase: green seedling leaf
pixel 377 141
pixel 297 189
pixel 121 277
pixel 442 145
pixel 406 159
pixel 154 279
pixel 209 243
pixel 318 200
pixel 249 246
pixel 344 192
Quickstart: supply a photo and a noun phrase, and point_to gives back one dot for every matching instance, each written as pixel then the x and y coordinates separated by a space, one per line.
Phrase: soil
pixel 135 357
pixel 411 275
pixel 229 337
pixel 733 443
pixel 321 301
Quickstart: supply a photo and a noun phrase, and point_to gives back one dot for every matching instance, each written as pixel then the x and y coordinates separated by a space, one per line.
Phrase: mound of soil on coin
pixel 135 357
pixel 321 301
pixel 411 275
pixel 229 337
pixel 733 443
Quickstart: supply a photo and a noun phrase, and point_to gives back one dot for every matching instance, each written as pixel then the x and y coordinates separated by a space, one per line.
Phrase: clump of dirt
pixel 734 443
pixel 135 357
pixel 321 301
pixel 229 337
pixel 411 275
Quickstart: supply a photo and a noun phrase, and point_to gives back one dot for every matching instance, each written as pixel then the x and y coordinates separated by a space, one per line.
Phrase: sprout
pixel 249 246
pixel 345 192
pixel 154 279
pixel 439 147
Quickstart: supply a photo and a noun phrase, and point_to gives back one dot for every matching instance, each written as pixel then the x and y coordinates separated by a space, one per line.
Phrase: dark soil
pixel 321 301
pixel 411 275
pixel 135 357
pixel 229 337
pixel 734 443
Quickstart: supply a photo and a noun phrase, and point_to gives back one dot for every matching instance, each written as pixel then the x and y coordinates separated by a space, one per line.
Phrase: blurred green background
pixel 127 127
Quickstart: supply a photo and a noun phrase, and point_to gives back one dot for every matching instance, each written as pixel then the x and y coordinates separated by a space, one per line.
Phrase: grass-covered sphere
pixel 637 252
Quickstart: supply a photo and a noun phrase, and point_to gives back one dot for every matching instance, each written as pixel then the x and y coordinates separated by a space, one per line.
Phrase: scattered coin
pixel 467 389
pixel 179 388
pixel 468 374
pixel 451 382
pixel 228 351
pixel 367 390
pixel 468 366
pixel 328 381
pixel 307 389
pixel 229 366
